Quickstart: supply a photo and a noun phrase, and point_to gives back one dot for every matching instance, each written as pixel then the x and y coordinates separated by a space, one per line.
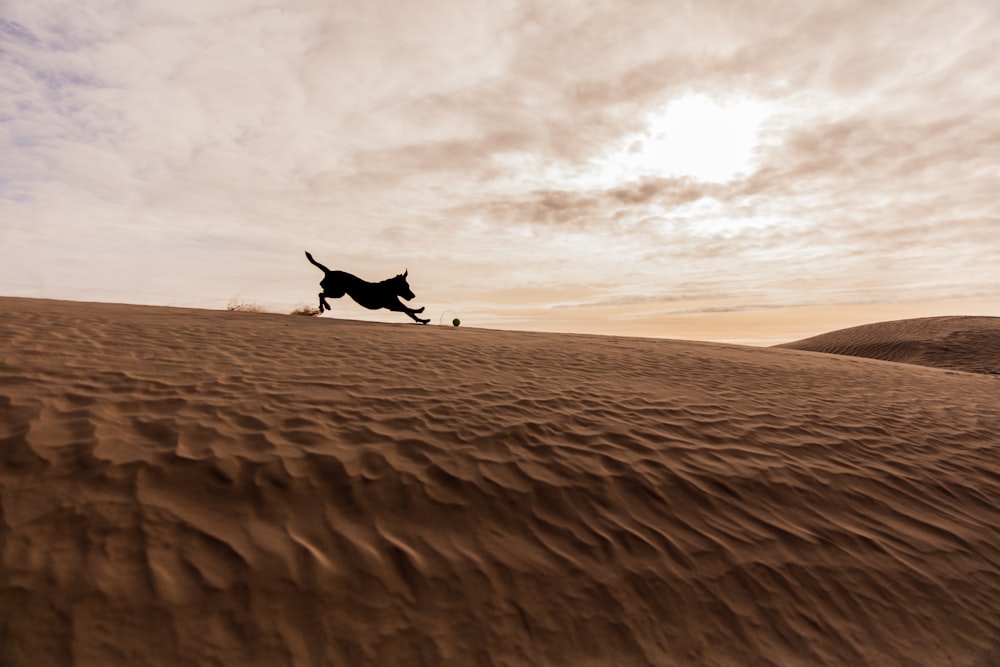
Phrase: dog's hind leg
pixel 323 305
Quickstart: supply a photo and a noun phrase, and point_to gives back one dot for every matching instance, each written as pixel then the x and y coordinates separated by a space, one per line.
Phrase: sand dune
pixel 184 487
pixel 959 343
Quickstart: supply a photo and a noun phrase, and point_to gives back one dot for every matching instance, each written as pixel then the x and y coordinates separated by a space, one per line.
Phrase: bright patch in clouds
pixel 698 137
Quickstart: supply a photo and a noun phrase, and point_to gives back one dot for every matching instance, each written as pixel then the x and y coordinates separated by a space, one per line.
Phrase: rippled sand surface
pixel 959 343
pixel 185 487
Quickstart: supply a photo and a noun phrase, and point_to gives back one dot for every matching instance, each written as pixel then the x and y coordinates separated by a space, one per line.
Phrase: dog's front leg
pixel 398 306
pixel 412 312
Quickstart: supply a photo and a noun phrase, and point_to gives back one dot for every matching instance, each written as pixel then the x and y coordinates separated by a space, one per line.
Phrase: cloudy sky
pixel 752 171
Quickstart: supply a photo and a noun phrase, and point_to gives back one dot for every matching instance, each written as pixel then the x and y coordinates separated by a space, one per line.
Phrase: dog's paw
pixel 419 310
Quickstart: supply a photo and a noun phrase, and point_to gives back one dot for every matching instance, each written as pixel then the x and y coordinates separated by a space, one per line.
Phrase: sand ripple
pixel 199 487
pixel 969 344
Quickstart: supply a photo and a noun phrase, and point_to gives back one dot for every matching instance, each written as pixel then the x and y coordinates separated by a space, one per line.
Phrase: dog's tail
pixel 314 262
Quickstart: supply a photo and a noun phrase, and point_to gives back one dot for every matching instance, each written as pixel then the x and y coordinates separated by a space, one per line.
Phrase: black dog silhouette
pixel 372 296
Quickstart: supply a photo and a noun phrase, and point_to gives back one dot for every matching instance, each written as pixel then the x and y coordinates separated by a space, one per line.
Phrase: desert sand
pixel 192 487
pixel 958 343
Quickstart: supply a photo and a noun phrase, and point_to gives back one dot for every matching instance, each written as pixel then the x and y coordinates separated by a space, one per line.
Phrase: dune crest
pixel 969 344
pixel 199 487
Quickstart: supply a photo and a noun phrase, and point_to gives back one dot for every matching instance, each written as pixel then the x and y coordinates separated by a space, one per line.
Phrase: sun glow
pixel 698 137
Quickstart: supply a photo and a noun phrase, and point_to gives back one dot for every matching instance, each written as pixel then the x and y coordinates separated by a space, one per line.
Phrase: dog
pixel 372 296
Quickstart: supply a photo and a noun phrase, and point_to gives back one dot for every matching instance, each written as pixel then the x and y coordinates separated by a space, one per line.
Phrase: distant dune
pixel 185 487
pixel 958 343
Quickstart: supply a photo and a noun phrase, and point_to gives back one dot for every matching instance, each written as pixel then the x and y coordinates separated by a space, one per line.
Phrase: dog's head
pixel 403 287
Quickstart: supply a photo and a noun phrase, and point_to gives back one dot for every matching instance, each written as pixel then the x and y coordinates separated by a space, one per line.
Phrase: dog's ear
pixel 405 272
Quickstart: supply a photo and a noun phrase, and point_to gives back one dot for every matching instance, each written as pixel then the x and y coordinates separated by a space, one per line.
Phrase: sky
pixel 748 171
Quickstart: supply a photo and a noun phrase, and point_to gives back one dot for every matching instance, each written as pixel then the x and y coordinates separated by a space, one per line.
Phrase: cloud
pixel 486 135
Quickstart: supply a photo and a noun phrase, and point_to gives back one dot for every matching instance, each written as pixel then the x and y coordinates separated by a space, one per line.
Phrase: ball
pixel 455 322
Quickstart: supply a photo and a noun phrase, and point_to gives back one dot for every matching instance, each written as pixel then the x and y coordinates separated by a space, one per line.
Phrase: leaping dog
pixel 372 296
